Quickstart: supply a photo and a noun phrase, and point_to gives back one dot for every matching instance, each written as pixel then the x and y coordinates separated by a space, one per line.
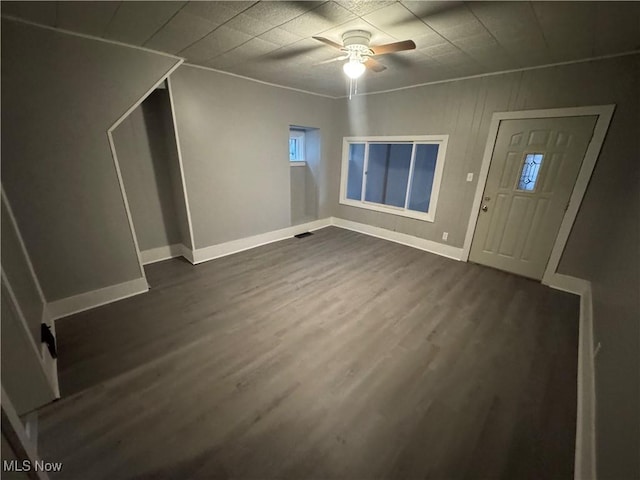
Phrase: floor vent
pixel 302 235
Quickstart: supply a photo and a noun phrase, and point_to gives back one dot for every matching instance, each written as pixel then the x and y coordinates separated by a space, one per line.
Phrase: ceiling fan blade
pixel 374 65
pixel 288 53
pixel 326 41
pixel 331 60
pixel 393 47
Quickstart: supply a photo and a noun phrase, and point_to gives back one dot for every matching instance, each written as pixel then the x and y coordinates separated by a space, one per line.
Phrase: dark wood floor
pixel 333 356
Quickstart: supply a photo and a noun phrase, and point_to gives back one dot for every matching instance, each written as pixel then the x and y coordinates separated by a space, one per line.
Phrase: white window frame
pixel 440 140
pixel 298 134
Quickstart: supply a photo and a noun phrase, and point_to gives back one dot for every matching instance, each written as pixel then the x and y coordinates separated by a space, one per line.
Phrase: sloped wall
pixel 60 94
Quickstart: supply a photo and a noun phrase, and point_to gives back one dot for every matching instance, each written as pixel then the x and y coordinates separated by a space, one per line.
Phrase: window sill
pixel 298 164
pixel 425 217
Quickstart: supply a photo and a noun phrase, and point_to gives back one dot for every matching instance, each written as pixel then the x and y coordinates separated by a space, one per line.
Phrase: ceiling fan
pixel 360 55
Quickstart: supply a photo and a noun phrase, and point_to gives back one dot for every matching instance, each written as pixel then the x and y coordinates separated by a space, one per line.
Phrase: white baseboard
pixel 30 422
pixel 585 455
pixel 161 253
pixel 228 248
pixel 567 283
pixel 187 253
pixel 85 301
pixel 441 249
pixel 215 251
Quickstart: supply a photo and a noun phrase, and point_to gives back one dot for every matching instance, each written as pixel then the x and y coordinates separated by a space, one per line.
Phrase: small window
pixel 530 170
pixel 398 175
pixel 296 145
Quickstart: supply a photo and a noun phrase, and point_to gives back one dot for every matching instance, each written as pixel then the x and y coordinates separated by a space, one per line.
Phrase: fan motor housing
pixel 356 40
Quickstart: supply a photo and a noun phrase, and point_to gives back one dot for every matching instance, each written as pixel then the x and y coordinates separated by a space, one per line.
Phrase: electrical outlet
pixel 445 236
pixel 470 177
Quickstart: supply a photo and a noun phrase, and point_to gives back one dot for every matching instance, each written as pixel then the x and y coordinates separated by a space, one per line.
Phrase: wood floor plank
pixel 333 356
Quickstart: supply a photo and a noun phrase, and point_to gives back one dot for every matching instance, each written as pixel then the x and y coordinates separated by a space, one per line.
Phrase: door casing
pixel 604 114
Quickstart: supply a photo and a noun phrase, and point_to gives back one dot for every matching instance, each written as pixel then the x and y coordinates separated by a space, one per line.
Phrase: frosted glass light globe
pixel 354 69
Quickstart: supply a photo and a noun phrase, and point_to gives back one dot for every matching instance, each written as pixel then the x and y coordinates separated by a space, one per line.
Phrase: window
pixel 529 173
pixel 398 175
pixel 296 145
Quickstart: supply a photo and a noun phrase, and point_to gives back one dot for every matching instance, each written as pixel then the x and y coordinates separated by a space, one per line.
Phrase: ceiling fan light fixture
pixel 354 68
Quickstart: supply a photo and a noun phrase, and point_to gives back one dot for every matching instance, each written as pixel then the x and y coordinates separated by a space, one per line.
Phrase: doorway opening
pixel 151 177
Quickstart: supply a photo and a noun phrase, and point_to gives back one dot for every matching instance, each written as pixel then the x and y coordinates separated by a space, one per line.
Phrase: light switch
pixel 470 177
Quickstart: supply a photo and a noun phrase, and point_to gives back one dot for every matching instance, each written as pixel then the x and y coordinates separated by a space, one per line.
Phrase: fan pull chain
pixel 353 87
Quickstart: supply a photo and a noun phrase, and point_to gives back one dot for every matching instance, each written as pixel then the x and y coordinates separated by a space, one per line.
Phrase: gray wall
pixel 298 178
pixel 304 186
pixel 233 136
pixel 16 268
pixel 314 156
pixel 60 94
pixel 145 145
pixel 603 246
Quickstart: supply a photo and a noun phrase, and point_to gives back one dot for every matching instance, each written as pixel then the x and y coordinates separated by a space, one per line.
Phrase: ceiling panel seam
pixel 164 24
pixel 113 15
pixel 221 25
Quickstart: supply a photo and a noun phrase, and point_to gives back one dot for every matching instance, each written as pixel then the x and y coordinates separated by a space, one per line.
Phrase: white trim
pixel 501 72
pixel 112 146
pixel 159 254
pixel 181 165
pixel 23 247
pixel 132 229
pixel 95 298
pixel 187 253
pixel 87 36
pixel 202 67
pixel 440 140
pixel 229 248
pixel 298 163
pixel 15 433
pixel 234 246
pixel 604 114
pixel 30 422
pixel 50 364
pixel 455 253
pixel 144 97
pixel 25 328
pixel 585 453
pixel 570 284
pixel 299 135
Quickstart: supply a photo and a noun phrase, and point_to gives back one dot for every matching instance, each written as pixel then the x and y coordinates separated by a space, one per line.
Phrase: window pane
pixel 293 148
pixel 424 170
pixel 388 173
pixel 530 170
pixel 356 166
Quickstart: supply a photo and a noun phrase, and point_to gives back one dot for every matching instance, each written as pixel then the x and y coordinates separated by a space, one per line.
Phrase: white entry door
pixel 533 170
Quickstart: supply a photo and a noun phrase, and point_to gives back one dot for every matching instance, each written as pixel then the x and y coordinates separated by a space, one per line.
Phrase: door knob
pixel 484 208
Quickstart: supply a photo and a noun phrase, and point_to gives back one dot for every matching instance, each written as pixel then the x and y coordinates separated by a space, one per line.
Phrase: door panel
pixel 533 169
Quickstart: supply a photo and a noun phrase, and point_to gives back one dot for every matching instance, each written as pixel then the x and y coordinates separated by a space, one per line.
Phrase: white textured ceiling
pixel 271 40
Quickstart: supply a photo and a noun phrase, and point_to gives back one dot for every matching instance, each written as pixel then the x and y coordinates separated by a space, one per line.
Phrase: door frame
pixel 604 114
pixel 116 163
